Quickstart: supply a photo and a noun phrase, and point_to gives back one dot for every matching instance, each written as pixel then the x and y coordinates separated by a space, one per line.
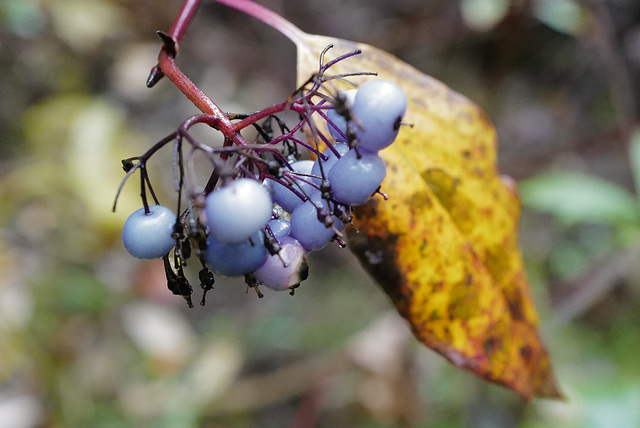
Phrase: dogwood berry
pixel 148 235
pixel 284 196
pixel 236 258
pixel 318 169
pixel 339 128
pixel 238 210
pixel 313 223
pixel 286 269
pixel 379 106
pixel 354 179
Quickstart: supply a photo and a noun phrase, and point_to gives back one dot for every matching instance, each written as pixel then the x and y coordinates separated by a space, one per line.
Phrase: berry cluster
pixel 265 206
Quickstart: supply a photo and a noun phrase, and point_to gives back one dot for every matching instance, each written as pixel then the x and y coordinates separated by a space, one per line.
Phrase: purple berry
pixel 286 269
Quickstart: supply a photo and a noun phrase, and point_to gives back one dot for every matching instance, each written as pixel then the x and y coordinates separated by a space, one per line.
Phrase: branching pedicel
pixel 264 206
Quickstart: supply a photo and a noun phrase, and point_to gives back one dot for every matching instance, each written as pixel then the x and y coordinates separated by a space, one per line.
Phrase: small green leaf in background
pixel 579 198
pixel 612 401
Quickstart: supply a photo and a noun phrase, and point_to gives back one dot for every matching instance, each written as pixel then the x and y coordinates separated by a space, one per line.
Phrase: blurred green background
pixel 90 337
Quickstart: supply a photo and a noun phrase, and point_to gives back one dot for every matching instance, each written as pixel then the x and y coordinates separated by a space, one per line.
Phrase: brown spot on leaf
pixel 526 352
pixel 490 345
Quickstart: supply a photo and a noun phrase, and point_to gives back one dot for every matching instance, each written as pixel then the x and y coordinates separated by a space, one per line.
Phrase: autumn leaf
pixel 444 245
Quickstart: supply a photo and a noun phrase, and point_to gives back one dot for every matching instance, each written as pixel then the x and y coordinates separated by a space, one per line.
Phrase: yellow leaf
pixel 444 246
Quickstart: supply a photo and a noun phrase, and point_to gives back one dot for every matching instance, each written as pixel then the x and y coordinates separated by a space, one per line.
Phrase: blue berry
pixel 280 228
pixel 354 179
pixel 283 196
pixel 236 258
pixel 378 108
pixel 338 120
pixel 341 148
pixel 238 210
pixel 286 269
pixel 306 226
pixel 148 236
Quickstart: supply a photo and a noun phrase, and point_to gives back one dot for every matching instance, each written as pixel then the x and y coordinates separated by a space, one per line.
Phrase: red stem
pixel 277 108
pixel 190 90
pixel 167 64
pixel 186 14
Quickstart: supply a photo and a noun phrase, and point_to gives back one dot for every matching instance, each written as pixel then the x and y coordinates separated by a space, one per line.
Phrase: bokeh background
pixel 91 337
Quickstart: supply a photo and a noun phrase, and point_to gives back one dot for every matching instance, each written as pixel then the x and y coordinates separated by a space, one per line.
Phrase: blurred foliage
pixel 91 337
pixel 580 198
